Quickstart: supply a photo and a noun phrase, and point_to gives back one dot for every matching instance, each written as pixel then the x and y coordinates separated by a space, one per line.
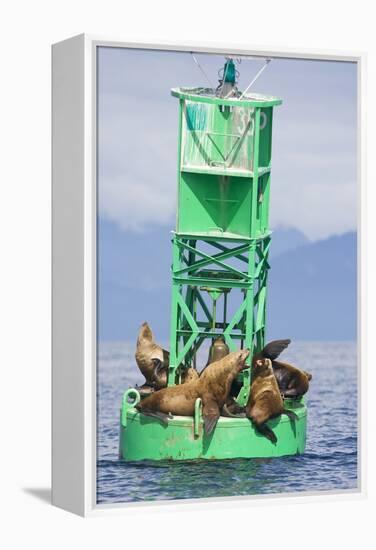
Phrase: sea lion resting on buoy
pixel 149 355
pixel 292 382
pixel 153 362
pixel 161 374
pixel 271 351
pixel 218 350
pixel 213 387
pixel 265 400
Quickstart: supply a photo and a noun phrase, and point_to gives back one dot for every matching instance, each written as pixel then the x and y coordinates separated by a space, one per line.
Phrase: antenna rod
pixel 202 70
pixel 267 61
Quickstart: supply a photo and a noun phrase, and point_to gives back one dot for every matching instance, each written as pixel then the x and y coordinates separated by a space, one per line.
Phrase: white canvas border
pixel 86 504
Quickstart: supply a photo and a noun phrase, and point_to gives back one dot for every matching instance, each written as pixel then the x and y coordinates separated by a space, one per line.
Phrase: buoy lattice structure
pixel 222 238
pixel 220 268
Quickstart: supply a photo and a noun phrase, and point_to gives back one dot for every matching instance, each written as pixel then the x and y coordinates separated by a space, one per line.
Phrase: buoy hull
pixel 146 438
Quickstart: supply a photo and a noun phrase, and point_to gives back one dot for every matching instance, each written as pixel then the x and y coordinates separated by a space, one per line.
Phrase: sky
pixel 313 184
pixel 314 138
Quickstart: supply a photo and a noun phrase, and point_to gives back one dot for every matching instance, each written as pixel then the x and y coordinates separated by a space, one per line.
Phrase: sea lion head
pixel 218 350
pixel 262 367
pixel 227 367
pixel 241 360
pixel 145 334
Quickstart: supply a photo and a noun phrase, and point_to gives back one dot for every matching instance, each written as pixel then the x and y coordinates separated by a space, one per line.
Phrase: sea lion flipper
pixel 210 414
pixel 210 423
pixel 273 349
pixel 228 413
pixel 231 409
pixel 156 414
pixel 292 416
pixel 267 432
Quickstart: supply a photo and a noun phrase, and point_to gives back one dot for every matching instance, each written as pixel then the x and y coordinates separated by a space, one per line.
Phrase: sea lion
pixel 292 382
pixel 218 350
pixel 213 387
pixel 271 351
pixel 145 389
pixel 160 374
pixel 189 375
pixel 265 400
pixel 149 355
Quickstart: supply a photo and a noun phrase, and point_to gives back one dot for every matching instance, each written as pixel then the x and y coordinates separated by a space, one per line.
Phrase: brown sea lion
pixel 189 375
pixel 218 350
pixel 149 355
pixel 265 400
pixel 213 387
pixel 160 375
pixel 271 351
pixel 292 381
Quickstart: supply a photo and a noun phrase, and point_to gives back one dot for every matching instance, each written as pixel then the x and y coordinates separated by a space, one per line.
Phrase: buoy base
pixel 146 438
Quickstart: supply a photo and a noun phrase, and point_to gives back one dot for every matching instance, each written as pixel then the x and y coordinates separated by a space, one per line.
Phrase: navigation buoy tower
pixel 219 268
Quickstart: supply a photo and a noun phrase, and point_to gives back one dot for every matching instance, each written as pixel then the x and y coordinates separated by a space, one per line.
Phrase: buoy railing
pixel 135 397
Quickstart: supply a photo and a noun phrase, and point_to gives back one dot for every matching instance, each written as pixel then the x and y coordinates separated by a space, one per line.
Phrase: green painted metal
pixel 212 275
pixel 224 164
pixel 229 72
pixel 249 100
pixel 221 181
pixel 145 438
pixel 219 256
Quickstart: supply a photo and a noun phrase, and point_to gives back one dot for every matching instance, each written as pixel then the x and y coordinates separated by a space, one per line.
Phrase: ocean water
pixel 329 462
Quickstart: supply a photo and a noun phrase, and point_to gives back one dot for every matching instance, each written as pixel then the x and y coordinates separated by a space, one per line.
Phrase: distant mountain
pixel 133 281
pixel 284 239
pixel 311 289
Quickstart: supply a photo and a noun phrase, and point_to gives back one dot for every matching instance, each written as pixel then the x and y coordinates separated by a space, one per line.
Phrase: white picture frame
pixel 74 211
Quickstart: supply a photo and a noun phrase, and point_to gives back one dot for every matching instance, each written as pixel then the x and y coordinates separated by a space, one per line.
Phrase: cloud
pixel 314 140
pixel 318 211
pixel 314 176
pixel 137 161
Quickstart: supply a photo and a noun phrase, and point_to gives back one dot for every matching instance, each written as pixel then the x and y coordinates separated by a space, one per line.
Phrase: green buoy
pixel 219 256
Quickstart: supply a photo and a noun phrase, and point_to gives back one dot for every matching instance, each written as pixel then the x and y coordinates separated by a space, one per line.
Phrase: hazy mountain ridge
pixel 311 289
pixel 284 239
